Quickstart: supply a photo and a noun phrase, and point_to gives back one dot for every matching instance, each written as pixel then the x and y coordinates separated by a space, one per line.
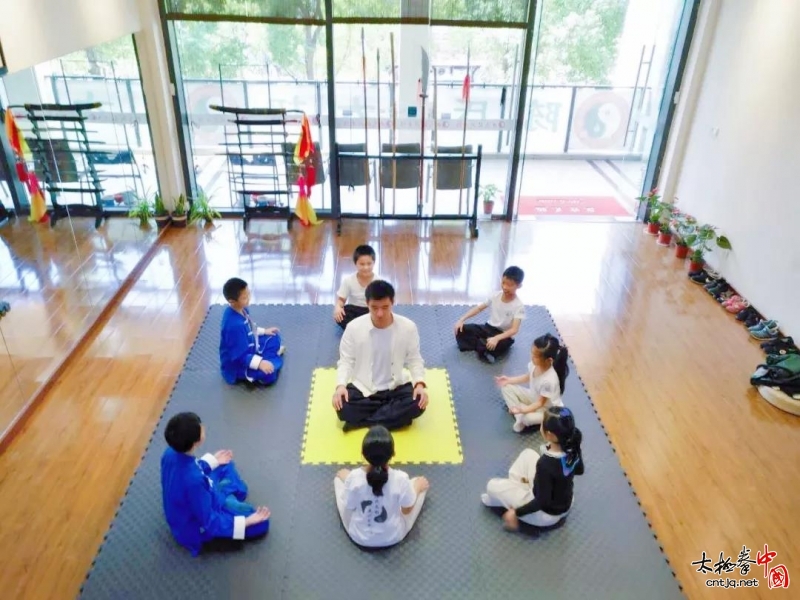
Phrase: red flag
pixel 465 89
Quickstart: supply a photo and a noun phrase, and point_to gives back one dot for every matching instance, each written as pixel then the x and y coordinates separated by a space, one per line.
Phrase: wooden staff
pixel 380 146
pixel 435 137
pixel 423 93
pixel 366 129
pixel 466 94
pixel 394 124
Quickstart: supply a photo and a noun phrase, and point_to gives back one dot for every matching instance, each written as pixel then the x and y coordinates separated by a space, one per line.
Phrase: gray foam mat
pixel 458 549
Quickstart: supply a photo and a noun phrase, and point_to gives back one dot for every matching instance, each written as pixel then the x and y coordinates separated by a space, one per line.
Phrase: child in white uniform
pixel 351 301
pixel 378 505
pixel 546 376
pixel 494 339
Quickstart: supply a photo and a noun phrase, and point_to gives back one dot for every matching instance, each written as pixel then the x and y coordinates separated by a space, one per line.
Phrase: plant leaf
pixel 724 242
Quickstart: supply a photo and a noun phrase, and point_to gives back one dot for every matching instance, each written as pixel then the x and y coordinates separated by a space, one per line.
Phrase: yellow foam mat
pixel 431 439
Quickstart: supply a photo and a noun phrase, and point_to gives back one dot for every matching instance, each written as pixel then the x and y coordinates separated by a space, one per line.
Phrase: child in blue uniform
pixel 204 498
pixel 247 352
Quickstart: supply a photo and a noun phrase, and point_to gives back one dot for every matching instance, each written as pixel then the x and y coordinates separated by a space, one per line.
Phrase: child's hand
pixel 223 456
pixel 458 326
pixel 266 366
pixel 502 380
pixel 491 343
pixel 510 520
pixel 261 515
pixel 338 313
pixel 515 410
pixel 271 330
pixel 421 484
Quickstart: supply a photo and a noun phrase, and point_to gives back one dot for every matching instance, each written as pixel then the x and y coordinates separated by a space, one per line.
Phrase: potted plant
pixel 488 192
pixel 654 205
pixel 700 244
pixel 179 212
pixel 142 210
pixel 682 227
pixel 202 211
pixel 664 234
pixel 161 212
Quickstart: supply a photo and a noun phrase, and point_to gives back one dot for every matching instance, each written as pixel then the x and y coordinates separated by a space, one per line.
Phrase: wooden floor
pixel 667 368
pixel 57 281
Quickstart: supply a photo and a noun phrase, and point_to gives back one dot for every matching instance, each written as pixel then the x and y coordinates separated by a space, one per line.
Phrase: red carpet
pixel 574 206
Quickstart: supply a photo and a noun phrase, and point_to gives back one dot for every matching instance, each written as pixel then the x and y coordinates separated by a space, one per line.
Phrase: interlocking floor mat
pixel 456 550
pixel 433 438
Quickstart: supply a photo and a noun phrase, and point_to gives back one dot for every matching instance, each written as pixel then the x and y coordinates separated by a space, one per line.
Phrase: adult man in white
pixel 372 386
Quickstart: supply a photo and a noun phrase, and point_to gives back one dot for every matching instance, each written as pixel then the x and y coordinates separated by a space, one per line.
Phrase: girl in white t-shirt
pixel 546 377
pixel 351 301
pixel 378 505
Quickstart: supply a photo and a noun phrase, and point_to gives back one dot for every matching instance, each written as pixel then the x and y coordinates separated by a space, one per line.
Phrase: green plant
pixel 701 239
pixel 142 210
pixel 160 209
pixel 201 209
pixel 488 192
pixel 180 206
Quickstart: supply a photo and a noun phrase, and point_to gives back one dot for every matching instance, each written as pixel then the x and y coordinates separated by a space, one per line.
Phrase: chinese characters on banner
pixel 777 576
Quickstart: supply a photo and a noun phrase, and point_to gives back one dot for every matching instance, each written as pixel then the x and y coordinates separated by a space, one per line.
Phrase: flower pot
pixel 664 239
pixel 162 221
pixel 652 228
pixel 694 267
pixel 179 222
pixel 488 207
pixel 681 251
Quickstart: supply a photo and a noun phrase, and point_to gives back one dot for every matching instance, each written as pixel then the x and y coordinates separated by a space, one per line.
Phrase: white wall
pixel 740 168
pixel 35 31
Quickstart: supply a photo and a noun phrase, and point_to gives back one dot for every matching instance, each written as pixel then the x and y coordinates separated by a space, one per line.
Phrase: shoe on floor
pixel 763 324
pixel 766 333
pixel 281 350
pixel 786 341
pixel 485 499
pixel 745 314
pixel 518 426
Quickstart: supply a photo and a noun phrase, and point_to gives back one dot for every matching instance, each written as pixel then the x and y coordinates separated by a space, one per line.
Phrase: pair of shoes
pixel 746 313
pixel 702 277
pixel 713 283
pixel 766 330
pixel 735 304
pixel 780 346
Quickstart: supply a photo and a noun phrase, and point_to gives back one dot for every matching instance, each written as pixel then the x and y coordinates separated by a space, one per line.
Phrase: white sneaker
pixel 485 499
pixel 281 350
pixel 518 426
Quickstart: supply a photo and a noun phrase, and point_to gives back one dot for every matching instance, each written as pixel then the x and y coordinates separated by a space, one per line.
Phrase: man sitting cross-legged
pixel 373 388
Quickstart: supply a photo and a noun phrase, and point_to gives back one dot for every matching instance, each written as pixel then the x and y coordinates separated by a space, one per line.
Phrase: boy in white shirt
pixel 350 299
pixel 373 387
pixel 493 339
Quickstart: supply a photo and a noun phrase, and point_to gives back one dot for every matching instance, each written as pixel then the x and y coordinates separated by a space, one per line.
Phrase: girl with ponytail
pixel 378 504
pixel 539 490
pixel 546 377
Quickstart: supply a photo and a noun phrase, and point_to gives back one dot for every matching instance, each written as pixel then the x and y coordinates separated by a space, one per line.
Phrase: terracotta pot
pixel 681 251
pixel 696 266
pixel 652 228
pixel 488 207
pixel 664 239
